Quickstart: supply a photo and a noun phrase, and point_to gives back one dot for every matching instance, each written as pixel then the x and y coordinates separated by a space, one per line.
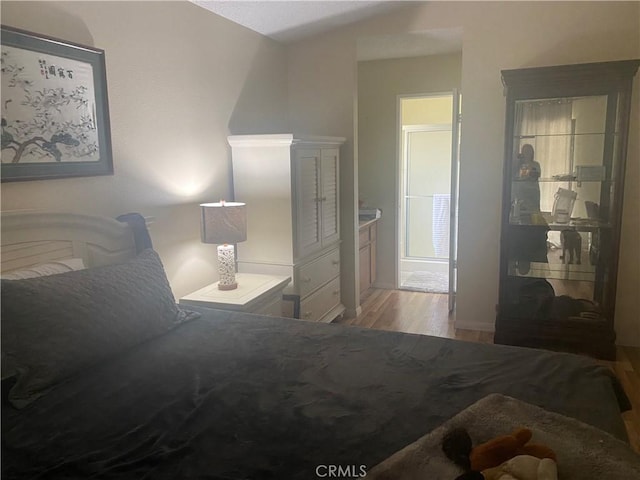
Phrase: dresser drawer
pixel 318 272
pixel 321 302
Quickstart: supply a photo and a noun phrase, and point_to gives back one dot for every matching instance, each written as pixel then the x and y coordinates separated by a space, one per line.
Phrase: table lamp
pixel 224 223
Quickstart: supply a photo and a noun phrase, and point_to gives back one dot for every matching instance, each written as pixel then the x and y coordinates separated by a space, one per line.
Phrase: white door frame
pixel 453 202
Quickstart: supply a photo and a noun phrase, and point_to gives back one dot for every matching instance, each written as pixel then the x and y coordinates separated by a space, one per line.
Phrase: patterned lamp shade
pixel 224 223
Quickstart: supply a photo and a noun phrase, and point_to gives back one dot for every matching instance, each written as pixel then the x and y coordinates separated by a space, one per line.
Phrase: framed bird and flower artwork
pixel 55 117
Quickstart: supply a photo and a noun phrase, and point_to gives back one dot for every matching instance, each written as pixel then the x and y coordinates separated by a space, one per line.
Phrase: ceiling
pixel 290 21
pixel 293 20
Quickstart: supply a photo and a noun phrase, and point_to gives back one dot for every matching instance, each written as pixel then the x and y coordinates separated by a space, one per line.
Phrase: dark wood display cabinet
pixel 565 150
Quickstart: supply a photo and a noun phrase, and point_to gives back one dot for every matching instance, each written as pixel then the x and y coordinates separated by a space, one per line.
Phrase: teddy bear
pixel 457 446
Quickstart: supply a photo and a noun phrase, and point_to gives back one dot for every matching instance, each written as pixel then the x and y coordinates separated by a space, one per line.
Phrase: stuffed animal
pixel 457 446
pixel 500 449
pixel 523 467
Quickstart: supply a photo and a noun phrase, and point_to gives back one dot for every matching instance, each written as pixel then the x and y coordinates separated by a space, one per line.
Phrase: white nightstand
pixel 256 293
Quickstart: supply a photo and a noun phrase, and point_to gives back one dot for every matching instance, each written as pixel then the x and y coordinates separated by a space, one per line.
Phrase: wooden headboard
pixel 31 238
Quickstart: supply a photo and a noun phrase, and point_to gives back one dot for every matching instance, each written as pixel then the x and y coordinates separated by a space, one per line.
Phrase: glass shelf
pixel 558 227
pixel 544 220
pixel 559 271
pixel 563 180
pixel 525 136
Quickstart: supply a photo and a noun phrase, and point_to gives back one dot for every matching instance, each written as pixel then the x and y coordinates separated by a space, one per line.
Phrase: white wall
pixel 180 79
pixel 497 35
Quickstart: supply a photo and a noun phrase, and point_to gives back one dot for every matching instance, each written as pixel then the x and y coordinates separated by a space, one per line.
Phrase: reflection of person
pixel 526 190
pixel 529 241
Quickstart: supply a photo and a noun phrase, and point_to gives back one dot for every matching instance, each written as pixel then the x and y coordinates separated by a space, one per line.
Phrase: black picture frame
pixel 55 109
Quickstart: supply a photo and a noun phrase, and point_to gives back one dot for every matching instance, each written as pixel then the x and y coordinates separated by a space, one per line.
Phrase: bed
pixel 104 376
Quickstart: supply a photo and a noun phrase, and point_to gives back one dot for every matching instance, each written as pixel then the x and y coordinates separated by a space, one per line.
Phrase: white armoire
pixel 291 187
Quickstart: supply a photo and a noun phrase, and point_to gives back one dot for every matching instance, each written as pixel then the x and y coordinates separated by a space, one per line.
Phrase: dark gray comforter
pixel 232 396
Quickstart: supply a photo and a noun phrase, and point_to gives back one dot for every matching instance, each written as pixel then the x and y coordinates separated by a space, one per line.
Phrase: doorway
pixel 429 137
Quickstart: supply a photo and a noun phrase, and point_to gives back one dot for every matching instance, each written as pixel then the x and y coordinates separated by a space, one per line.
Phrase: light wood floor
pixel 427 314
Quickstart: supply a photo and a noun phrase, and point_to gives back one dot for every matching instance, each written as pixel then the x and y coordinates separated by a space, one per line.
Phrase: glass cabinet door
pixel 559 179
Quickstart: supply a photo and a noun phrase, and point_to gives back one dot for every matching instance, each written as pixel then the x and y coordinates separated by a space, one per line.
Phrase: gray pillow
pixel 53 327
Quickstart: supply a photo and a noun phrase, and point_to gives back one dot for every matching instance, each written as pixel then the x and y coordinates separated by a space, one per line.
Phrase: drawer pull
pixel 335 262
pixel 306 279
pixel 307 314
pixel 336 292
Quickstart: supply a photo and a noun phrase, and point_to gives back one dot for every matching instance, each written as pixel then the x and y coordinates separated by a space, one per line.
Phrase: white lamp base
pixel 227 267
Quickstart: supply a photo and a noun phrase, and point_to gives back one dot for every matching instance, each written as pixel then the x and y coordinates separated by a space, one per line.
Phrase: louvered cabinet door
pixel 308 201
pixel 330 200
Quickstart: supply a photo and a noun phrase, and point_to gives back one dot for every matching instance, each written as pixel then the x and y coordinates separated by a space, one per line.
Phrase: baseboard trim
pixel 352 312
pixel 384 286
pixel 474 325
